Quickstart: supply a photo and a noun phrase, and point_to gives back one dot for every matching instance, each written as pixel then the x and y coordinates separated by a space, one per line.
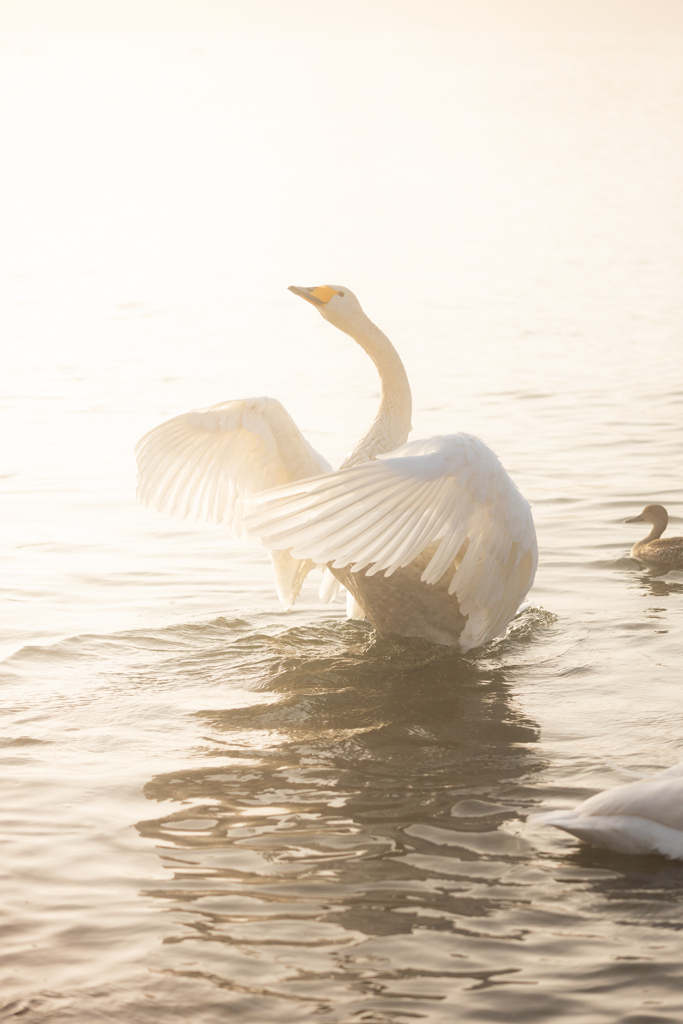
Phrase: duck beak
pixel 318 296
pixel 636 519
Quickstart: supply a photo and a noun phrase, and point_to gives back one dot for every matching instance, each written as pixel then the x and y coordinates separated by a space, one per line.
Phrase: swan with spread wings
pixel 430 538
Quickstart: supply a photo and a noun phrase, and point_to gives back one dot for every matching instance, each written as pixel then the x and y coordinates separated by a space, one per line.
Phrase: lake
pixel 213 808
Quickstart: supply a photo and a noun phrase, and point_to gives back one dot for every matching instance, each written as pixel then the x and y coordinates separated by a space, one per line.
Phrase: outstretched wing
pixel 207 464
pixel 450 492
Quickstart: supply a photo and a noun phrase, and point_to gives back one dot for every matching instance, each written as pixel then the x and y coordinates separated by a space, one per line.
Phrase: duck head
pixel 655 514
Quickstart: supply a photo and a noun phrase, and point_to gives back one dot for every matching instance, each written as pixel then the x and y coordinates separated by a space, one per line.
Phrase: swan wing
pixel 450 492
pixel 639 817
pixel 206 464
pixel 657 799
pixel 623 833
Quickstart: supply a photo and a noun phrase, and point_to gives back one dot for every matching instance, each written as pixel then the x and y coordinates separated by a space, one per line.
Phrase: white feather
pixel 639 817
pixel 430 537
pixel 385 513
pixel 209 462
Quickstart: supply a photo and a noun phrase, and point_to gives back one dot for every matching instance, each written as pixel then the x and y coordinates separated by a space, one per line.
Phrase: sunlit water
pixel 213 810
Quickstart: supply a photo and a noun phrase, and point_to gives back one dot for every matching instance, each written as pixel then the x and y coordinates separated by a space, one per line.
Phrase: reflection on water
pixel 362 799
pixel 656 584
pixel 358 851
pixel 660 584
pixel 339 832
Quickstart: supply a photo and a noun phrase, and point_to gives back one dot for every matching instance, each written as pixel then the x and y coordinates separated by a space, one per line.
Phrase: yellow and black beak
pixel 318 296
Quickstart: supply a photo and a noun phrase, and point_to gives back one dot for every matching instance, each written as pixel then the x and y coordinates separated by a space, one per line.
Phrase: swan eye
pixel 340 294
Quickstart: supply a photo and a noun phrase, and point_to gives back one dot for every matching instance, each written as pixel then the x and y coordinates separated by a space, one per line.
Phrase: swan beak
pixel 318 296
pixel 636 519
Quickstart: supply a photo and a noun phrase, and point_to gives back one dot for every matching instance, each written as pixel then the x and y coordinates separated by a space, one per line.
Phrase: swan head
pixel 655 514
pixel 333 301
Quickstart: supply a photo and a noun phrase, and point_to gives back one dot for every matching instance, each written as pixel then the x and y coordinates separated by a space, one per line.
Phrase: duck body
pixel 644 817
pixel 430 538
pixel 655 550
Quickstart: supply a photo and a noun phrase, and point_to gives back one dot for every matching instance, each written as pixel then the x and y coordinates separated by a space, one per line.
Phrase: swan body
pixel 663 552
pixel 641 817
pixel 430 538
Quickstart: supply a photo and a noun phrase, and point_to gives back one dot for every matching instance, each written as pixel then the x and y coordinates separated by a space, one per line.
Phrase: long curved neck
pixel 391 425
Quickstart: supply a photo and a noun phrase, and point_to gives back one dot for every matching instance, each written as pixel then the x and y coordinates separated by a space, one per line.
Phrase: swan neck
pixel 391 425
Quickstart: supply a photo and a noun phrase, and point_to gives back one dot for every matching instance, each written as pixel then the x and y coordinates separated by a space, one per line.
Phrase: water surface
pixel 212 808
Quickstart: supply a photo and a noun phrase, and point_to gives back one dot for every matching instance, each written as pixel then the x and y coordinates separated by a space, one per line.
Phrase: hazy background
pixel 349 15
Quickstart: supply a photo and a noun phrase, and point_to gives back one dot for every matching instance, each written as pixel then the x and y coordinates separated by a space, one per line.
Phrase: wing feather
pixel 448 491
pixel 206 464
pixel 200 464
pixel 408 545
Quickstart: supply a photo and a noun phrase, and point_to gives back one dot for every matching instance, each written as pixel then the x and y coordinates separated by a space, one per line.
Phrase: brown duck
pixel 666 553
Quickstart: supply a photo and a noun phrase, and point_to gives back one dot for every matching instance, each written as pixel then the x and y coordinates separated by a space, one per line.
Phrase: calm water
pixel 212 809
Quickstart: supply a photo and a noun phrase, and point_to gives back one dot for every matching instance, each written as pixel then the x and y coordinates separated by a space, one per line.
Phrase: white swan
pixel 440 518
pixel 639 817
